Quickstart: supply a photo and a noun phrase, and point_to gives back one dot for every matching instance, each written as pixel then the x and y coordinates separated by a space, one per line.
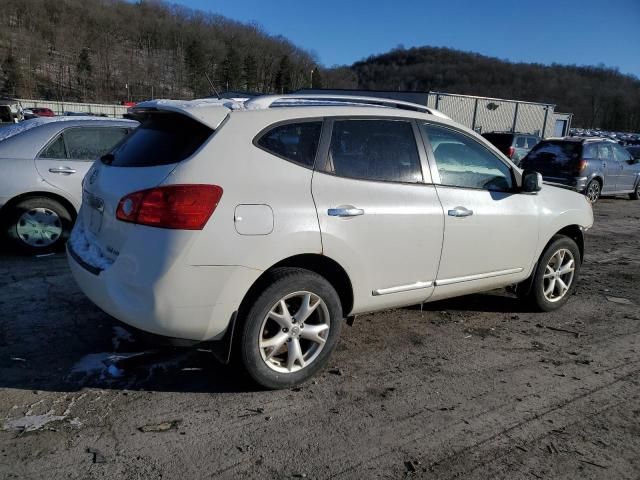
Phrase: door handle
pixel 460 212
pixel 63 170
pixel 345 212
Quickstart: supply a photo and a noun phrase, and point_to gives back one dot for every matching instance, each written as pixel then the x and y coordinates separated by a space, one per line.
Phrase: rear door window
pixel 90 143
pixel 296 142
pixel 56 149
pixel 381 150
pixel 161 139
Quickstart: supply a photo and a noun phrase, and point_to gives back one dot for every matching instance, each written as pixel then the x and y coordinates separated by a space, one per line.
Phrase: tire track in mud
pixel 503 435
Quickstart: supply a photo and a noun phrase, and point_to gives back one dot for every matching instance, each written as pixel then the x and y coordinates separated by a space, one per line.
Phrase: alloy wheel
pixel 593 192
pixel 39 227
pixel 294 332
pixel 558 275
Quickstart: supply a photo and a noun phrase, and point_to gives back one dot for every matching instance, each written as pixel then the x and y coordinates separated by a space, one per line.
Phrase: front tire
pixel 556 275
pixel 38 225
pixel 290 330
pixel 636 193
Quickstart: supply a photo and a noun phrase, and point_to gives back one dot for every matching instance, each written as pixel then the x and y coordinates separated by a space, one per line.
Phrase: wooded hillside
pixel 597 96
pixel 113 50
pixel 91 50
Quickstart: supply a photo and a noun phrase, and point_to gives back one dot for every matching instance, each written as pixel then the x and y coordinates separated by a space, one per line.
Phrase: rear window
pixel 297 142
pixel 560 153
pixel 500 140
pixel 161 139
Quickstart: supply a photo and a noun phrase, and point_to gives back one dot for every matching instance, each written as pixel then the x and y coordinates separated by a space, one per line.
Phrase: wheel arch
pixel 53 196
pixel 325 266
pixel 575 233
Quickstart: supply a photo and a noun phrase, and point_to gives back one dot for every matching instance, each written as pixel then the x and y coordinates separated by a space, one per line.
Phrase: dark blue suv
pixel 592 166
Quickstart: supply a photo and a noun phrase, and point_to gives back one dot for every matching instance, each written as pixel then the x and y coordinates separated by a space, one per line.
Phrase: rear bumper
pixel 194 303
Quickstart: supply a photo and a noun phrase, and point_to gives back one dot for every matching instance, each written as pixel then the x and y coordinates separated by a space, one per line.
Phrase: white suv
pixel 263 224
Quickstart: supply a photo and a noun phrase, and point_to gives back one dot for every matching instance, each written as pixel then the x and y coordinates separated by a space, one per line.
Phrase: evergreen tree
pixel 283 77
pixel 195 60
pixel 250 73
pixel 84 71
pixel 316 78
pixel 11 71
pixel 231 72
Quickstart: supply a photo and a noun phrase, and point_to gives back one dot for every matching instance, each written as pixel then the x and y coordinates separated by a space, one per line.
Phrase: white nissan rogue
pixel 263 225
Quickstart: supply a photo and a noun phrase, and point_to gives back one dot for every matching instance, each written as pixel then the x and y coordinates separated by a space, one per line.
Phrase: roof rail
pixel 267 101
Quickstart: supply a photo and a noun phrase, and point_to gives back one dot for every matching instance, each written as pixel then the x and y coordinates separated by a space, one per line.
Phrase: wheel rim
pixel 558 275
pixel 294 332
pixel 39 227
pixel 593 192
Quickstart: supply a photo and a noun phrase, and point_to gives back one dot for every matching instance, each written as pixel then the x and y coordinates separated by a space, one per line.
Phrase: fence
pixel 59 108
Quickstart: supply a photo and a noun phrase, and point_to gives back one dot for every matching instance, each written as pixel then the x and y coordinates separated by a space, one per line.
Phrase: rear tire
pixel 636 193
pixel 593 191
pixel 37 225
pixel 556 275
pixel 277 349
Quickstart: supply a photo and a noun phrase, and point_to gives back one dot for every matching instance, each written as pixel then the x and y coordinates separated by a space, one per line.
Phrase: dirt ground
pixel 475 387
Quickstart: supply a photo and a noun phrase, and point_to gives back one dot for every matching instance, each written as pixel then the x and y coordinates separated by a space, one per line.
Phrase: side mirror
pixel 531 181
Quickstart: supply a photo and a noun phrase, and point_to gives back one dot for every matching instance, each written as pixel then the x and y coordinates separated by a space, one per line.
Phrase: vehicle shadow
pixel 496 302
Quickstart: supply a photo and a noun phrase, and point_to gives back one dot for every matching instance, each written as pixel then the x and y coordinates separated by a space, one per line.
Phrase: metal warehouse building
pixel 481 114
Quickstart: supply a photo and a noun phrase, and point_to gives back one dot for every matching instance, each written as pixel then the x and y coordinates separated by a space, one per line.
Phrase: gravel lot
pixel 475 387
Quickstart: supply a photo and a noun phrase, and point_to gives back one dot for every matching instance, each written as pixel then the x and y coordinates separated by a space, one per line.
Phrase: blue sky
pixel 586 32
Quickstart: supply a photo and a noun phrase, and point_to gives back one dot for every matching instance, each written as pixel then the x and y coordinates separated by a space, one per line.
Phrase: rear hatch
pixel 556 160
pixel 141 161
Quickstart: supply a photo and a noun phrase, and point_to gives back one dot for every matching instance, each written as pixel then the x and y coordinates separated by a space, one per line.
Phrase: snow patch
pixel 30 423
pixel 86 246
pixel 17 128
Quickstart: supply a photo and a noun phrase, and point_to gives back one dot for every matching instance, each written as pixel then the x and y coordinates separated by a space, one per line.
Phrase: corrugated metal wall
pixel 60 107
pixel 495 114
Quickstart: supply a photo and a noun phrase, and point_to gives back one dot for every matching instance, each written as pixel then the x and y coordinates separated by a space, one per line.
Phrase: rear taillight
pixel 582 165
pixel 511 152
pixel 186 207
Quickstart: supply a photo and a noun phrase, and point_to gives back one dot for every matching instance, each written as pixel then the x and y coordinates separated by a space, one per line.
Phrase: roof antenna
pixel 212 87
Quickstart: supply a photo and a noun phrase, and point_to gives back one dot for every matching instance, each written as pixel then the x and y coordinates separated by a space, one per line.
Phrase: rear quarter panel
pixel 251 176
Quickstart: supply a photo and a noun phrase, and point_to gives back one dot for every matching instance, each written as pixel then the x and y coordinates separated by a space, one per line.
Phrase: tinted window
pixel 521 142
pixel 635 151
pixel 161 139
pixel 556 152
pixel 533 141
pixel 297 142
pixel 590 150
pixel 501 140
pixel 620 153
pixel 463 162
pixel 604 152
pixel 56 149
pixel 375 150
pixel 91 143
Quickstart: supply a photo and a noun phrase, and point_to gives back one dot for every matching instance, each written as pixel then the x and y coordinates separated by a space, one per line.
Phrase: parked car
pixel 634 150
pixel 43 162
pixel 592 166
pixel 42 112
pixel 514 145
pixel 263 228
